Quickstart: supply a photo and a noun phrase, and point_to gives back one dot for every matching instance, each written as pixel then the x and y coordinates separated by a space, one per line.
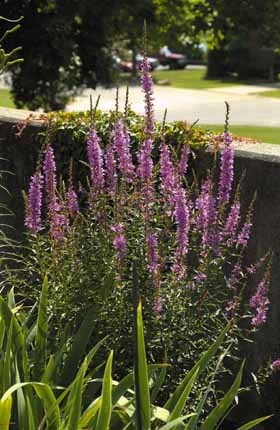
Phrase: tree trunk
pixel 216 67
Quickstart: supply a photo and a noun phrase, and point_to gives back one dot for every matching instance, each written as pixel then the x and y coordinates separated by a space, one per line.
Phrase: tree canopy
pixel 70 43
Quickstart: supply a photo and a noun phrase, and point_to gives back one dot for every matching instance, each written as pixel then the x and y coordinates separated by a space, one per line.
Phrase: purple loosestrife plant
pixel 59 223
pixel 50 173
pixel 145 168
pixel 207 217
pixel 181 215
pixel 226 170
pixel 58 219
pixel 260 302
pixel 168 175
pixel 147 88
pixel 275 366
pixel 72 202
pixel 34 205
pixel 95 161
pixel 119 243
pixel 232 223
pixel 111 170
pixel 122 148
pixel 186 237
pixel 183 164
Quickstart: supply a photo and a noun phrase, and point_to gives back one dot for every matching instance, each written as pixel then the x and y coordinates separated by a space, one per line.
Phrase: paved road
pixel 206 105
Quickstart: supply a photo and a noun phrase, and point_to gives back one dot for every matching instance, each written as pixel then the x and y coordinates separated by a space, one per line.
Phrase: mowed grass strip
pixel 6 99
pixel 260 134
pixel 272 93
pixel 193 79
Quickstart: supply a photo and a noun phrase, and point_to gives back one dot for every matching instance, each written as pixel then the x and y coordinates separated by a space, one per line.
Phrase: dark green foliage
pixel 65 44
pixel 68 134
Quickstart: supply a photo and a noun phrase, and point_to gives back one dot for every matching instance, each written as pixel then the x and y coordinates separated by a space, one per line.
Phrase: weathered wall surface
pixel 262 165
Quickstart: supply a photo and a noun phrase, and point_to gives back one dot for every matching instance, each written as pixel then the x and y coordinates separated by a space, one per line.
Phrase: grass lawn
pixel 193 79
pixel 273 93
pixel 6 99
pixel 261 134
pixel 187 78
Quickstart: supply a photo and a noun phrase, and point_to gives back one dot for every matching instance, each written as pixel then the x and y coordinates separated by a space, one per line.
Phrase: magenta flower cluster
pixel 95 161
pixel 259 302
pixel 33 216
pixel 226 172
pixel 128 194
pixel 58 212
pixel 122 148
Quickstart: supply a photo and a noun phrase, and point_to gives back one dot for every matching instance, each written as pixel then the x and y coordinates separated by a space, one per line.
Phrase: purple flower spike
pixel 275 365
pixel 231 223
pixel 50 173
pixel 207 216
pixel 244 235
pixel 59 223
pixel 183 164
pixel 147 88
pixel 260 303
pixel 181 214
pixel 119 242
pixel 111 172
pixel 152 252
pixel 145 169
pixel 167 174
pixel 121 144
pixel 72 202
pixel 157 307
pixel 95 160
pixel 33 216
pixel 226 171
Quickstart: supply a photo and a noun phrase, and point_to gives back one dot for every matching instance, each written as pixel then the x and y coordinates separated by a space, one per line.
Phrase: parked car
pixel 171 59
pixel 126 66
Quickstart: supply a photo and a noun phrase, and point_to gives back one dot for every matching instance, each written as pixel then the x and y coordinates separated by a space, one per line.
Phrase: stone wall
pixel 262 165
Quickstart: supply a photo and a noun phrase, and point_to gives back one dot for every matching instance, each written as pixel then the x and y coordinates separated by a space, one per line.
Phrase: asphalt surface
pixel 208 106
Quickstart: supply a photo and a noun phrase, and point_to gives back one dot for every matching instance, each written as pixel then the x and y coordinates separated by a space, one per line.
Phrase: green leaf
pixel 105 411
pixel 220 410
pixel 46 395
pixel 7 360
pixel 46 378
pixel 254 423
pixel 41 332
pixel 193 421
pixel 80 342
pixel 173 424
pixel 90 413
pixel 75 398
pixel 201 365
pixel 141 375
pixel 158 384
pixel 128 381
pixel 176 412
pixel 5 412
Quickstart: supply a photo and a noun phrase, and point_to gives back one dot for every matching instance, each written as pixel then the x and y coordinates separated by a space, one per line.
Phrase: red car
pixel 174 61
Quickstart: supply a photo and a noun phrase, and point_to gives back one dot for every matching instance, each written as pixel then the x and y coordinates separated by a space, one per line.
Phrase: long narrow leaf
pixel 41 332
pixel 254 423
pixel 76 399
pixel 178 409
pixel 105 411
pixel 142 375
pixel 5 412
pixel 201 364
pixel 80 342
pixel 173 424
pixel 219 411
